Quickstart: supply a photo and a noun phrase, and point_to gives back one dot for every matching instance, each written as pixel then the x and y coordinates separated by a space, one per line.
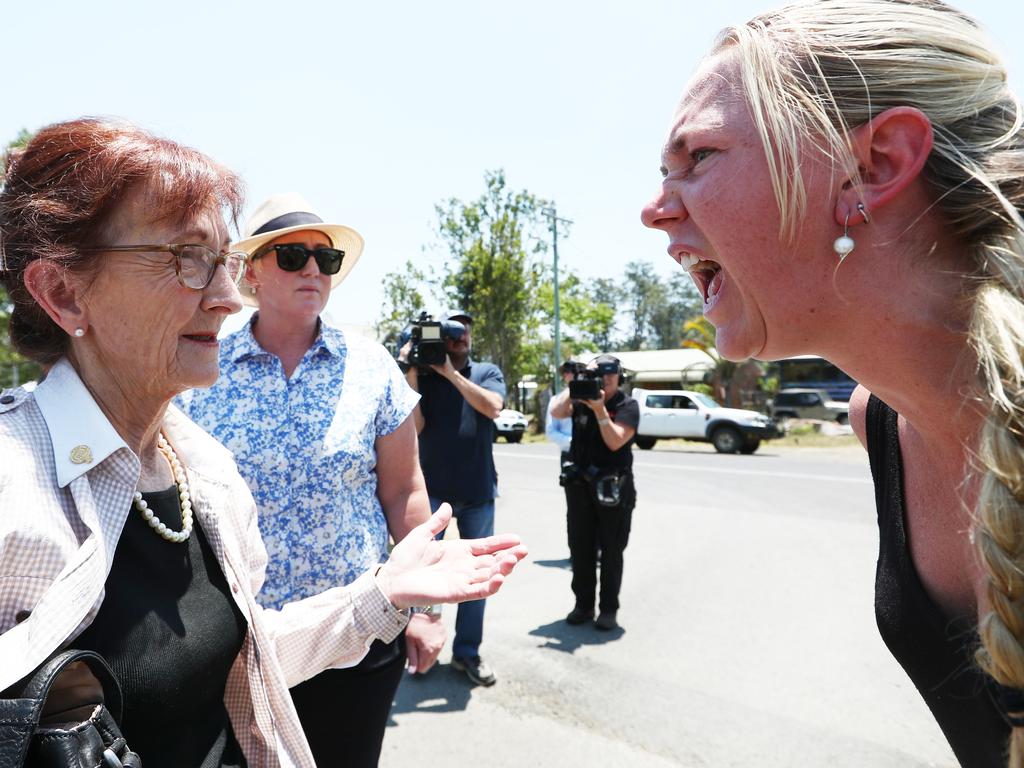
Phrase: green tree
pixel 700 334
pixel 668 318
pixel 494 268
pixel 644 295
pixel 656 309
pixel 606 295
pixel 403 301
pixel 14 369
pixel 19 142
pixel 731 381
pixel 587 318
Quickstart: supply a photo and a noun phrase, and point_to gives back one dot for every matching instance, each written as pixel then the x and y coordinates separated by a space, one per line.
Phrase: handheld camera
pixel 586 383
pixel 427 336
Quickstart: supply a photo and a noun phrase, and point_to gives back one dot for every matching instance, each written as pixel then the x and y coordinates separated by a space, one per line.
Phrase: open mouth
pixel 705 273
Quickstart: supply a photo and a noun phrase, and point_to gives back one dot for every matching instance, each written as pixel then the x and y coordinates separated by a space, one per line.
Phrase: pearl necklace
pixel 184 499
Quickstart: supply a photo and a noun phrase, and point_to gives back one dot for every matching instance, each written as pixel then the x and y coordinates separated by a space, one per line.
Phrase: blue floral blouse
pixel 305 446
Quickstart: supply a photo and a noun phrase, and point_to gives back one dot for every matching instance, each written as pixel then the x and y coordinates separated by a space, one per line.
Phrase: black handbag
pixel 86 735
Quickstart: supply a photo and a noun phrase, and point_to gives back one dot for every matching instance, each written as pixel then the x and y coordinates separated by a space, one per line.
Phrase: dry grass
pixel 802 434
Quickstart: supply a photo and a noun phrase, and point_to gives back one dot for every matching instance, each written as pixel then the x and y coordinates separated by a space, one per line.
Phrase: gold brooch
pixel 81 454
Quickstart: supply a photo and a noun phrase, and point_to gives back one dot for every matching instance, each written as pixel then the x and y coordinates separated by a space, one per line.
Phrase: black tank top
pixel 937 653
pixel 170 630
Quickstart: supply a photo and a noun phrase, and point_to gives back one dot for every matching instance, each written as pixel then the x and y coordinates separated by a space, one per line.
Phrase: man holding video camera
pixel 599 490
pixel 459 400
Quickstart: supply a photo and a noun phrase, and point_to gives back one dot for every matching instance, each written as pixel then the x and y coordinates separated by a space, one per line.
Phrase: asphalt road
pixel 748 636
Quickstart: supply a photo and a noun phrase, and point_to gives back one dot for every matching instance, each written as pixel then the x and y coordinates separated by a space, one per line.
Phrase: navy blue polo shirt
pixel 456 442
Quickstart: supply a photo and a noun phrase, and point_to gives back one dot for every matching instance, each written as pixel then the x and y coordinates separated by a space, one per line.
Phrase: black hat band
pixel 295 219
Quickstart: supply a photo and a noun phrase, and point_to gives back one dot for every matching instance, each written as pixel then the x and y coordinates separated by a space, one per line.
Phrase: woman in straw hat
pixel 846 178
pixel 320 423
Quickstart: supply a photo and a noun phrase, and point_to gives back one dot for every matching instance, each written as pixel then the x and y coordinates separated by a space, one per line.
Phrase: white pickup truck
pixel 668 413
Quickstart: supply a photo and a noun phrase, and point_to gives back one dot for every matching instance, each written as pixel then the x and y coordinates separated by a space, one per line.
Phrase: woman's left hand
pixel 424 639
pixel 597 406
pixel 424 571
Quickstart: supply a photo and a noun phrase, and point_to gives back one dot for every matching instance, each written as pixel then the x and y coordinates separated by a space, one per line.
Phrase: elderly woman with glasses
pixel 126 529
pixel 320 423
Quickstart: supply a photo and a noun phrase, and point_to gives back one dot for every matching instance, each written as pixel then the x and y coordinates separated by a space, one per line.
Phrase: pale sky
pixel 378 111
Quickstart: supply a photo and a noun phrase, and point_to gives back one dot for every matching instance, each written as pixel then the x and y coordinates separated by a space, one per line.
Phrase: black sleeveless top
pixel 170 631
pixel 936 652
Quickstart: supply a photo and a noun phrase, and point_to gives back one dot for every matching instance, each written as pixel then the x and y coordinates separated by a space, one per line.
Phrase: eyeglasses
pixel 291 257
pixel 193 263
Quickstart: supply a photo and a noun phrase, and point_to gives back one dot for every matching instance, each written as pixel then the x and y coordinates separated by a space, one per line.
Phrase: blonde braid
pixel 997 335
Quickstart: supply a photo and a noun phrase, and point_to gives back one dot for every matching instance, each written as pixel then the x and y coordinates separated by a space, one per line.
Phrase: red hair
pixel 61 191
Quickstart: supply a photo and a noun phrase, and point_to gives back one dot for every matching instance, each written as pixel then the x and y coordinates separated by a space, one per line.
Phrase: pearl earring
pixel 79 332
pixel 844 245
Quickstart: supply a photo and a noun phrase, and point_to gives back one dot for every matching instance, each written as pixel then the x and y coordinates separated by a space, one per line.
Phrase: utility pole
pixel 552 215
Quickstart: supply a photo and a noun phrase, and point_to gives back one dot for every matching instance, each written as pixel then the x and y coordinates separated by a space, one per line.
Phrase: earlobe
pixel 891 150
pixel 58 296
pixel 250 276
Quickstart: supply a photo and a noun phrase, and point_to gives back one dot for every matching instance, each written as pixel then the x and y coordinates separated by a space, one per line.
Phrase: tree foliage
pixel 606 292
pixel 19 142
pixel 731 381
pixel 403 300
pixel 657 309
pixel 587 317
pixel 668 319
pixel 14 369
pixel 493 268
pixel 700 334
pixel 494 264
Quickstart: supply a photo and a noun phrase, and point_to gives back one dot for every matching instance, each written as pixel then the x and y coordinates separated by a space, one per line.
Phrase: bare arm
pixel 614 435
pixel 403 495
pixel 400 485
pixel 412 376
pixel 561 405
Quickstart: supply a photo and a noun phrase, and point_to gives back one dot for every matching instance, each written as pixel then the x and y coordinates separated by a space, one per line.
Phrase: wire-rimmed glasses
pixel 194 263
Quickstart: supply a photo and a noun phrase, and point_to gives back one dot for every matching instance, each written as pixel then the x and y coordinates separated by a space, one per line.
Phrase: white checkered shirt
pixel 66 485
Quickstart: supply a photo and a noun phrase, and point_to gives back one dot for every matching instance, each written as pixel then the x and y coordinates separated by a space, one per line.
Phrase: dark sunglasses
pixel 291 257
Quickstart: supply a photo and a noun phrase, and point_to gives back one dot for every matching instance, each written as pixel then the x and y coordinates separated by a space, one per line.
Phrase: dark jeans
pixel 474 521
pixel 593 526
pixel 344 711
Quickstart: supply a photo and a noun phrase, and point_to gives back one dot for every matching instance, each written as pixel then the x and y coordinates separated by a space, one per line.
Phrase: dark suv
pixel 808 404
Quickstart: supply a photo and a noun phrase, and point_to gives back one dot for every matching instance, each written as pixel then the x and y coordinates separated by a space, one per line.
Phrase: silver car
pixel 808 404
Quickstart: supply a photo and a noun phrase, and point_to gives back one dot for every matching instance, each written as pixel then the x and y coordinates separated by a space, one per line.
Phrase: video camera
pixel 427 336
pixel 586 383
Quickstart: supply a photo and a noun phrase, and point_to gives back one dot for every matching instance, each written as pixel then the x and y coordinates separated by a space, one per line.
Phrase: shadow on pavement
pixel 562 563
pixel 564 637
pixel 442 689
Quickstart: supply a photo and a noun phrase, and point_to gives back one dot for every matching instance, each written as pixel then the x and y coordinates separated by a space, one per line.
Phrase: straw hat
pixel 281 214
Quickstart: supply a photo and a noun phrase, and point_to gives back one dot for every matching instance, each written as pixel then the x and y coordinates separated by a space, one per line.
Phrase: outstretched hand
pixel 424 571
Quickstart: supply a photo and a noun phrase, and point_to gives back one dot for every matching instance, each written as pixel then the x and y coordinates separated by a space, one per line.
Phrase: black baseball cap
pixel 608 364
pixel 456 314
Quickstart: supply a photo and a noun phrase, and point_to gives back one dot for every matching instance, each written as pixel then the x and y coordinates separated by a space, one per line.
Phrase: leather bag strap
pixel 21 705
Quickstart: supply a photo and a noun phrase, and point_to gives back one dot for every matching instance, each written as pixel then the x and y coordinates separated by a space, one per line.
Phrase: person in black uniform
pixel 832 164
pixel 599 490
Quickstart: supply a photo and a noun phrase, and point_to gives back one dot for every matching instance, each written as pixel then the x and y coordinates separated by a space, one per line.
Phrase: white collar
pixel 80 433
